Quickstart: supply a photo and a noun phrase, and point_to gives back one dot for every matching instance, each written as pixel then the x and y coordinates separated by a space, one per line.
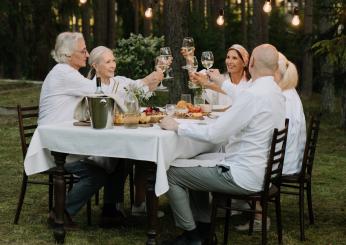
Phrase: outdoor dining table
pixel 51 144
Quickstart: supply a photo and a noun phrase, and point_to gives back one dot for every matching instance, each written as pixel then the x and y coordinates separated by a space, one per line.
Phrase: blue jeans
pixel 92 178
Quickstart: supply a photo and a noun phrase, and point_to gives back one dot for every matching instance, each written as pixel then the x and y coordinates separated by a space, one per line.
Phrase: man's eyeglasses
pixel 83 52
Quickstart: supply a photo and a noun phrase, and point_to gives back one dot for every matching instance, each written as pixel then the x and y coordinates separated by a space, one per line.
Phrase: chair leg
pixel 212 222
pixel 226 227
pixel 21 198
pixel 278 218
pixel 89 211
pixel 50 192
pixel 309 197
pixel 252 217
pixel 264 221
pixel 301 211
pixel 132 192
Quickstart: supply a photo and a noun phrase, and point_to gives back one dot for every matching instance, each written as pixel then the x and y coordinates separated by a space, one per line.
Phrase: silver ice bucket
pixel 101 109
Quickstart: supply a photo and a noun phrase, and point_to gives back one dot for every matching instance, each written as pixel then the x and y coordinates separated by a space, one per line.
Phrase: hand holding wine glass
pixel 192 66
pixel 161 63
pixel 166 51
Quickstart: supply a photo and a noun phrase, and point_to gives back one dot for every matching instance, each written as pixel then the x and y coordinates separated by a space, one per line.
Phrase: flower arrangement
pixel 141 95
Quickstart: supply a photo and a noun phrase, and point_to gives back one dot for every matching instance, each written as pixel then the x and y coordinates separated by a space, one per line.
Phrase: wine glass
pixel 161 63
pixel 192 66
pixel 207 59
pixel 189 45
pixel 170 109
pixel 186 97
pixel 167 51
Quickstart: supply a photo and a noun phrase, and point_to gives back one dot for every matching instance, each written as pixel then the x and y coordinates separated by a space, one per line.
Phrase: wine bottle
pixel 98 86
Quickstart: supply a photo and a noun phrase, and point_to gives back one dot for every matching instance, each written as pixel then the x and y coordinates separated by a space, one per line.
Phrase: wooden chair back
pixel 276 159
pixel 27 122
pixel 310 145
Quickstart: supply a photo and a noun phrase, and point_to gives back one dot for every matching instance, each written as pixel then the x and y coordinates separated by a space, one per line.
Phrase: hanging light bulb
pixel 82 1
pixel 295 19
pixel 267 7
pixel 220 19
pixel 148 12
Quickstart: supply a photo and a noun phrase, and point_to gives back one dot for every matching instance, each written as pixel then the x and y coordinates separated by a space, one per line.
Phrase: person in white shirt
pixel 62 90
pixel 247 129
pixel 235 80
pixel 287 79
pixel 103 65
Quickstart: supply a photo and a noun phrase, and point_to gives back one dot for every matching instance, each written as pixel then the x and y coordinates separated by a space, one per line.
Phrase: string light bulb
pixel 267 7
pixel 148 12
pixel 295 19
pixel 220 19
pixel 82 1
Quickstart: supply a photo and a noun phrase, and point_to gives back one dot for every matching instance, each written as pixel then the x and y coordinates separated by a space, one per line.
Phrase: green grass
pixel 329 193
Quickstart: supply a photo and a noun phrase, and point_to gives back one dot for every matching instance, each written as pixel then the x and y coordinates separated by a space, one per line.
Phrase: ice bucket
pixel 101 109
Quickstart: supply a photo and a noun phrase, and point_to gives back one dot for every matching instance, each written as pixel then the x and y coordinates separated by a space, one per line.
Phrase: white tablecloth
pixel 148 144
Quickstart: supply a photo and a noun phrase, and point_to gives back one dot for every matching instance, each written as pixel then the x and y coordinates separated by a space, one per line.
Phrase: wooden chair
pixel 270 192
pixel 27 122
pixel 299 182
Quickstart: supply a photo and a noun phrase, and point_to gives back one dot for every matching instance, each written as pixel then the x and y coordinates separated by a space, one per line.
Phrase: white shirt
pixel 231 90
pixel 118 84
pixel 296 137
pixel 247 128
pixel 62 90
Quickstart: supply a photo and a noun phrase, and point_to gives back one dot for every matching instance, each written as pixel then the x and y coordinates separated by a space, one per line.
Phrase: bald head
pixel 264 61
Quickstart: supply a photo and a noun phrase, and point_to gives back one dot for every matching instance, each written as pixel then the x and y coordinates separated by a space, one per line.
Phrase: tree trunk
pixel 260 23
pixel 137 14
pixel 326 69
pixel 176 14
pixel 343 107
pixel 111 35
pixel 307 71
pixel 244 23
pixel 100 25
pixel 328 90
pixel 85 11
pixel 43 38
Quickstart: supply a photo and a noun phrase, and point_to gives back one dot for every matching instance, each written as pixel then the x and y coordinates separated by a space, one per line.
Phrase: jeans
pixel 92 178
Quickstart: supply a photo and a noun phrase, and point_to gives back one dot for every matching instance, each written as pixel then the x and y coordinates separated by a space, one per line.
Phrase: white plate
pixel 220 107
pixel 181 120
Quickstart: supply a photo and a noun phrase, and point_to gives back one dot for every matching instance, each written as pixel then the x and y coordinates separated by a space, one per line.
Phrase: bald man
pixel 246 129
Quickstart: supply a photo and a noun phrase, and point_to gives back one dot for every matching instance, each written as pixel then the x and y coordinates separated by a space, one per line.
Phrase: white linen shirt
pixel 247 128
pixel 231 90
pixel 296 137
pixel 62 90
pixel 121 82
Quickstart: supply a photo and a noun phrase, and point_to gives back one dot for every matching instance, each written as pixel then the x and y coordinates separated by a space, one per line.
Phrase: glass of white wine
pixel 161 63
pixel 188 46
pixel 207 59
pixel 167 52
pixel 192 66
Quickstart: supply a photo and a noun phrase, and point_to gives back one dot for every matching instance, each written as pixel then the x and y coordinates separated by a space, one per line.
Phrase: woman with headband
pixel 235 79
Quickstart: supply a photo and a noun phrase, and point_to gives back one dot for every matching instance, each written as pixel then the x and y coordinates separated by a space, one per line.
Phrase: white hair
pixel 95 58
pixel 65 45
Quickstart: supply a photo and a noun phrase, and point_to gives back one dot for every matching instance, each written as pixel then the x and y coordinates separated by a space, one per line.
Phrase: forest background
pixel 28 29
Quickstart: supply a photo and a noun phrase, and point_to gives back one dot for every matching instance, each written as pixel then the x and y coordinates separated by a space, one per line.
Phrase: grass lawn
pixel 329 192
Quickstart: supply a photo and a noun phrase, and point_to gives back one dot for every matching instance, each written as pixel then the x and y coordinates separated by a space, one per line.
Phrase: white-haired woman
pixel 287 78
pixel 62 90
pixel 103 65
